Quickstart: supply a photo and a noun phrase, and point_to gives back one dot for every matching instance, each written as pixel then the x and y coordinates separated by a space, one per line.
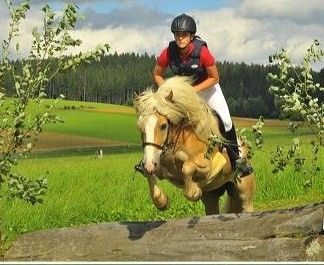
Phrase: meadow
pixel 83 189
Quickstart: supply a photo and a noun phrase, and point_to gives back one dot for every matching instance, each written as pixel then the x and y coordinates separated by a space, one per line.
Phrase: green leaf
pixel 17 85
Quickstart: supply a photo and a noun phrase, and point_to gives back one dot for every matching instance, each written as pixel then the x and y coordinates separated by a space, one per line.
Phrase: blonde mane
pixel 182 105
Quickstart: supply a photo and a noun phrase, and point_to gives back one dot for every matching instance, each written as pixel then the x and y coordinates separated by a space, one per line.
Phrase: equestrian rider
pixel 189 55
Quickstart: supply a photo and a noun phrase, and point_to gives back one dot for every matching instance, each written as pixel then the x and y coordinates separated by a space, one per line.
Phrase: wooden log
pixel 284 235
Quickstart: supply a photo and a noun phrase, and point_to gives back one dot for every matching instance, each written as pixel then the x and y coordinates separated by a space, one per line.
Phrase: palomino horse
pixel 175 126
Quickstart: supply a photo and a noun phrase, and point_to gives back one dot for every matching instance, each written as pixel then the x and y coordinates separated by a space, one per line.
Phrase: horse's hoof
pixel 162 203
pixel 194 195
pixel 162 207
pixel 193 198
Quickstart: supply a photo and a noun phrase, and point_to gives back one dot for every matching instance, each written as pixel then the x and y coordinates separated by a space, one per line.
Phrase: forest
pixel 116 77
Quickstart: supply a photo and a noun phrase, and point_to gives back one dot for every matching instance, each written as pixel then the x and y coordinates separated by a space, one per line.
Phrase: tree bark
pixel 282 235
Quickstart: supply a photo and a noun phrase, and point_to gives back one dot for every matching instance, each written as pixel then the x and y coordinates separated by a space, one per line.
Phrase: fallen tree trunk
pixel 285 235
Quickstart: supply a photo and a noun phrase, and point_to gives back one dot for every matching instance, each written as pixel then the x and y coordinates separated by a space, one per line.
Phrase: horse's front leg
pixel 159 197
pixel 192 190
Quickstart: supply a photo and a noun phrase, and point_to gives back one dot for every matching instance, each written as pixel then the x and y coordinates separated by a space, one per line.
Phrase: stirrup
pixel 242 167
pixel 140 168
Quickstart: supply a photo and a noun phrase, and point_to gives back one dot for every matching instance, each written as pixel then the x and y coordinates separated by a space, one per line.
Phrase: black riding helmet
pixel 184 23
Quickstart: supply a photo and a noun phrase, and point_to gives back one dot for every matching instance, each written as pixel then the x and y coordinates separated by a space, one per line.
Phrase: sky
pixel 235 30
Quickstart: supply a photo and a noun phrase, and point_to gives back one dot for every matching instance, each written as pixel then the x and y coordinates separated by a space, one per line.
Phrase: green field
pixel 83 189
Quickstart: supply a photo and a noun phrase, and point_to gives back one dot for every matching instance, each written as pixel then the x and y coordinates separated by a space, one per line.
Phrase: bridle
pixel 165 144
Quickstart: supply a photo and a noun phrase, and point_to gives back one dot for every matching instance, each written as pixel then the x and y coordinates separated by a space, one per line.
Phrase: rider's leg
pixel 234 153
pixel 216 100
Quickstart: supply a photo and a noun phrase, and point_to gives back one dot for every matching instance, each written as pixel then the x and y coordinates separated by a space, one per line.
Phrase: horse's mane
pixel 179 102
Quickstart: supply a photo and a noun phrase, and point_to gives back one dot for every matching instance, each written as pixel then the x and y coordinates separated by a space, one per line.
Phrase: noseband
pixel 161 147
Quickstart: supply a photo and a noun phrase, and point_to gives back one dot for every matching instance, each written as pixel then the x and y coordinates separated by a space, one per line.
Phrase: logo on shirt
pixel 194 66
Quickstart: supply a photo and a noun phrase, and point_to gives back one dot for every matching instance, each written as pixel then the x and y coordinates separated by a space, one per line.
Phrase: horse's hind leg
pixel 233 203
pixel 240 195
pixel 246 189
pixel 210 199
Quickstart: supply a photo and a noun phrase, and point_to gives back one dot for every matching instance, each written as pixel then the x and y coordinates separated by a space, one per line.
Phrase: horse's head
pixel 154 132
pixel 175 101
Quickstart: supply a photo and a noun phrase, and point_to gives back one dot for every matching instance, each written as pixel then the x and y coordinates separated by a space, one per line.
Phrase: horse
pixel 176 126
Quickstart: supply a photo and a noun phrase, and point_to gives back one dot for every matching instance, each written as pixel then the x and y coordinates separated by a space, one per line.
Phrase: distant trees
pixel 246 89
pixel 112 80
pixel 117 76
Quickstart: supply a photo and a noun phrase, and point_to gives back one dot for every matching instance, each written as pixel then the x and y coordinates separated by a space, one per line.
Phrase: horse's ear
pixel 135 101
pixel 170 97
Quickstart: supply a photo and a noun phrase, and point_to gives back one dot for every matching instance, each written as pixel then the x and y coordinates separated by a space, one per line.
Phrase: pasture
pixel 83 189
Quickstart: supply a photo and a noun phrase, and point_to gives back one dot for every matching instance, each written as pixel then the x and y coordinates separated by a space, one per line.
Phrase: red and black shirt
pixel 193 63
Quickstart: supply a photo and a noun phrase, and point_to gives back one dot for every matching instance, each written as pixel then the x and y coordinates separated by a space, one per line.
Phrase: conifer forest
pixel 116 77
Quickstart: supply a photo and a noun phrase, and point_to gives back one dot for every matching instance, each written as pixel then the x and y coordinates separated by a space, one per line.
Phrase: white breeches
pixel 216 100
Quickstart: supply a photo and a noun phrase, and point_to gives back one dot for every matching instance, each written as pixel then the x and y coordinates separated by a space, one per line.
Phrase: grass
pixel 288 187
pixel 113 126
pixel 98 120
pixel 105 121
pixel 83 190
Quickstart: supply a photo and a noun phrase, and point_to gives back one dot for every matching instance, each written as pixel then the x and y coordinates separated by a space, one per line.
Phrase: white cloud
pixel 249 32
pixel 33 19
pixel 295 10
pixel 231 37
pixel 235 36
pixel 123 39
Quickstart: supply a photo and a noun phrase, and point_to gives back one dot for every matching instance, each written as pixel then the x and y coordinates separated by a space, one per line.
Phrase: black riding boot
pixel 233 153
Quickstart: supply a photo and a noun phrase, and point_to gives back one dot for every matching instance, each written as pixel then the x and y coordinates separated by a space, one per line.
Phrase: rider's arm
pixel 158 75
pixel 161 65
pixel 212 79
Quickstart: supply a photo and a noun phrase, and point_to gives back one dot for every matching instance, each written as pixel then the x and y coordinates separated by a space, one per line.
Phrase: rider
pixel 188 55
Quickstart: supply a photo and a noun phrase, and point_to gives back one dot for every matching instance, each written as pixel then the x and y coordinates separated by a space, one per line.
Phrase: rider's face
pixel 182 39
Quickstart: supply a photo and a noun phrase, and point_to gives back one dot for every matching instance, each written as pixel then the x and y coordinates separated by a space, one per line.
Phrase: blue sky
pixel 235 30
pixel 178 6
pixel 164 6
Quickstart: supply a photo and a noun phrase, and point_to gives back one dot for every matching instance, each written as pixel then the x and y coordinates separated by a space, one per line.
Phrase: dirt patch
pixel 248 122
pixel 50 140
pixel 112 110
pixel 238 121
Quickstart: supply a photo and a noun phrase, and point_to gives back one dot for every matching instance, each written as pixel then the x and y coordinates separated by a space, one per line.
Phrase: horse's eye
pixel 164 126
